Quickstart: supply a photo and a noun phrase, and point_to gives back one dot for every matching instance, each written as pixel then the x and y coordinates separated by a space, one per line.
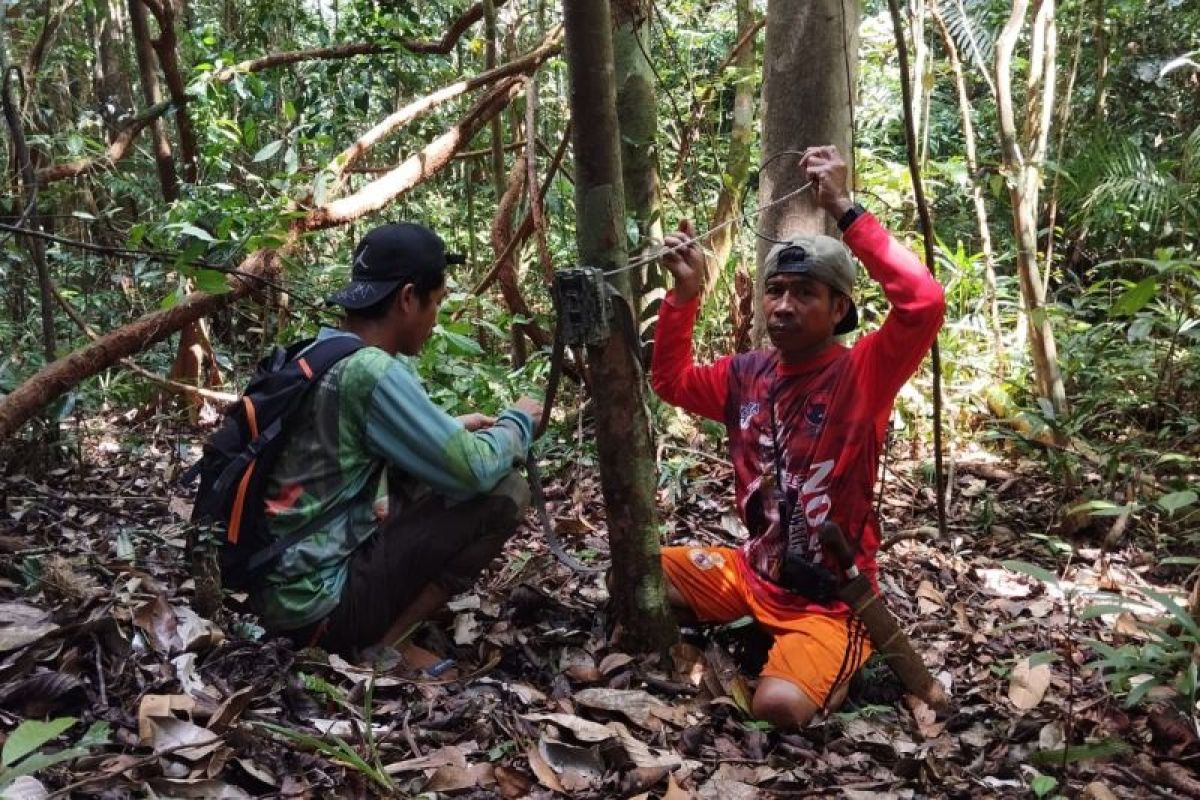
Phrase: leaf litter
pixel 516 690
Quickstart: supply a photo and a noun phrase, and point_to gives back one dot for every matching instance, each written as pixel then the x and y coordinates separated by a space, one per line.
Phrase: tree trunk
pixel 167 47
pixel 637 115
pixel 802 107
pixel 978 199
pixel 110 79
pixel 28 204
pixel 1023 166
pixel 622 424
pixel 497 131
pixel 737 163
pixel 163 160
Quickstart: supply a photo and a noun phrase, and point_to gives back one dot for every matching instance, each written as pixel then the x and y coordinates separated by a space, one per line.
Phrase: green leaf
pixel 1045 657
pixel 199 233
pixel 1042 785
pixel 1176 500
pixel 1032 570
pixel 1105 748
pixel 1181 614
pixel 268 150
pixel 211 281
pixel 30 735
pixel 1135 298
pixel 1101 610
pixel 463 345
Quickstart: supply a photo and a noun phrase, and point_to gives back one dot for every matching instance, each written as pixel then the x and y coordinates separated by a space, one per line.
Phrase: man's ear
pixel 841 306
pixel 406 297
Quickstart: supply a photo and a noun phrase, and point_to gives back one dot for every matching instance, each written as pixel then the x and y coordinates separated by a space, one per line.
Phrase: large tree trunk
pixel 622 423
pixel 637 115
pixel 152 93
pixel 110 79
pixel 1023 161
pixel 803 106
pixel 737 163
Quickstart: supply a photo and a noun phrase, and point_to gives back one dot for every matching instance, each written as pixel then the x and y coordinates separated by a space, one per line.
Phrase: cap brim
pixel 848 322
pixel 362 294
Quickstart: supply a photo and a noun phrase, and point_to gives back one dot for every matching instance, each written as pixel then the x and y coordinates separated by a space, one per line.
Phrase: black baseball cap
pixel 389 256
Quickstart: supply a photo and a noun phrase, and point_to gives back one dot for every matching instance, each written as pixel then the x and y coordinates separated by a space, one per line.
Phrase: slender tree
pixel 637 114
pixel 622 423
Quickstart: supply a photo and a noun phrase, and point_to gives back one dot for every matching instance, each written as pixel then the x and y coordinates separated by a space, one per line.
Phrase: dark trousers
pixel 428 543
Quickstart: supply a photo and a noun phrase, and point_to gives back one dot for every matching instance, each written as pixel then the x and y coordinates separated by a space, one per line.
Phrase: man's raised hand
pixel 826 168
pixel 685 261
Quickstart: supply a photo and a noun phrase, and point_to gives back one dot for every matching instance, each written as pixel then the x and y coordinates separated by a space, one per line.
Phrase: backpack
pixel 239 457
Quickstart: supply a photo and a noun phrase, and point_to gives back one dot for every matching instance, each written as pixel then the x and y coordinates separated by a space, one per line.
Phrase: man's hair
pixel 424 285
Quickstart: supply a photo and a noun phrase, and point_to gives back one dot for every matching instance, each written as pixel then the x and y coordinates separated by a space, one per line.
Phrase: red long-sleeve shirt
pixel 831 412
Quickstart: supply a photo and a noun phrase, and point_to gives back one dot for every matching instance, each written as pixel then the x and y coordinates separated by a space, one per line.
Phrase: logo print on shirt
pixel 815 407
pixel 747 413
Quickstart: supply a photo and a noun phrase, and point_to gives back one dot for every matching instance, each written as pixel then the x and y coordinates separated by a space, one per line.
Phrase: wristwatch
pixel 854 212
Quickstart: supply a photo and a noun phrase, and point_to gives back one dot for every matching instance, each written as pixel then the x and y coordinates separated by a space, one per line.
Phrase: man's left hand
pixel 476 422
pixel 826 168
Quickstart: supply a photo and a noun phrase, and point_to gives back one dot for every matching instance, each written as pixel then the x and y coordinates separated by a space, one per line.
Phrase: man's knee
pixel 782 703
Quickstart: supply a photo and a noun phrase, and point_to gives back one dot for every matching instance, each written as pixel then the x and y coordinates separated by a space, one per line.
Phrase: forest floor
pixel 517 691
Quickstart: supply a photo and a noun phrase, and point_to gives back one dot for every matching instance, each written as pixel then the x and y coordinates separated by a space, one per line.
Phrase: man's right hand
pixel 531 407
pixel 686 263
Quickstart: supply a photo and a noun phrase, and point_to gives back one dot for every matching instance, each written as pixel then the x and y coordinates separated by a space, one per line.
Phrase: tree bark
pixel 24 166
pixel 453 33
pixel 110 80
pixel 167 48
pixel 737 161
pixel 637 115
pixel 1023 174
pixel 802 107
pixel 622 423
pixel 496 156
pixel 52 381
pixel 507 255
pixel 164 161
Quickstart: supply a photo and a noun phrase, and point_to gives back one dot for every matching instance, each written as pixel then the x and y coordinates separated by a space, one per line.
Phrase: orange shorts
pixel 811 650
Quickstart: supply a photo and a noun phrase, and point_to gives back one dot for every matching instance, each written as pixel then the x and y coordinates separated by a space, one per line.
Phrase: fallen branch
pixel 226 74
pixel 175 387
pixel 117 148
pixel 416 168
pixel 525 64
pixel 56 378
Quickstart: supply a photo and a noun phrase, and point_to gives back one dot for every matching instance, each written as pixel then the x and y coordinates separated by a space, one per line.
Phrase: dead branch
pixel 550 46
pixel 117 148
pixel 56 378
pixel 418 167
pixel 226 74
pixel 453 32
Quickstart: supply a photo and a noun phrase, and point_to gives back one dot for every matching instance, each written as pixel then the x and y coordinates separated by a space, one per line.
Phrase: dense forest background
pixel 184 183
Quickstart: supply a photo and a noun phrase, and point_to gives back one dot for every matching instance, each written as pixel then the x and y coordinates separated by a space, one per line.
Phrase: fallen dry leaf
pixel 1027 685
pixel 642 708
pixel 161 705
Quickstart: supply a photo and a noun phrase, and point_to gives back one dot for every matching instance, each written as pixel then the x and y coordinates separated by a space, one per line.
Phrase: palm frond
pixel 1124 189
pixel 974 28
